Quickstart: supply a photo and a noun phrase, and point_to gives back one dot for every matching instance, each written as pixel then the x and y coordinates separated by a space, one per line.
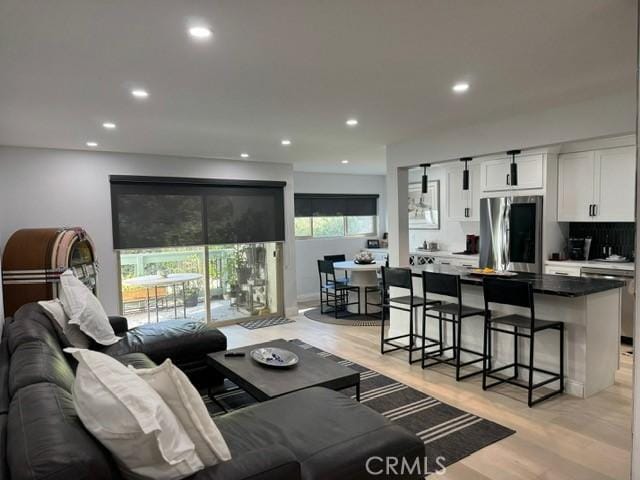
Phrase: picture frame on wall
pixel 424 209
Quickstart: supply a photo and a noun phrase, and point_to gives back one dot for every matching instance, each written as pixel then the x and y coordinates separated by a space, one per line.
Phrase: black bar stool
pixel 518 294
pixel 334 290
pixel 448 285
pixel 400 278
pixel 376 289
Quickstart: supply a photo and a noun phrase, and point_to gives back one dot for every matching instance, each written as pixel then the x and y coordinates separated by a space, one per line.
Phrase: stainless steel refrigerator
pixel 511 233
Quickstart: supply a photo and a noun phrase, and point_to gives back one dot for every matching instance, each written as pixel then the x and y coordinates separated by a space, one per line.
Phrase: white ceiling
pixel 296 69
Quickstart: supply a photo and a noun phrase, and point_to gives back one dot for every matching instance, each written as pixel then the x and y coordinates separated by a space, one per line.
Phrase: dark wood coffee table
pixel 265 383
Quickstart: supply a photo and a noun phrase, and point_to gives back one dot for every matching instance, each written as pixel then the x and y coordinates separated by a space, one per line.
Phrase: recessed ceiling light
pixel 201 33
pixel 286 142
pixel 461 87
pixel 109 125
pixel 345 161
pixel 92 144
pixel 352 122
pixel 244 155
pixel 139 93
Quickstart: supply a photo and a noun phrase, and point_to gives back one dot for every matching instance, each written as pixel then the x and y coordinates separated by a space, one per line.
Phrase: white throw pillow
pixel 85 310
pixel 185 402
pixel 72 332
pixel 131 420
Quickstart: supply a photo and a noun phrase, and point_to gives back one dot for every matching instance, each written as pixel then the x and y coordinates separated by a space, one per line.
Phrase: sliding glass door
pixel 244 281
pixel 221 283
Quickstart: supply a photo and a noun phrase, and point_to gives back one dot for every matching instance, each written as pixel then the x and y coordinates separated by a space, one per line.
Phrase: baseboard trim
pixel 307 297
pixel 574 388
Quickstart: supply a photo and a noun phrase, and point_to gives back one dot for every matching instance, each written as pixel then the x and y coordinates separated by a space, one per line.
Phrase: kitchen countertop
pixel 443 253
pixel 545 284
pixel 591 264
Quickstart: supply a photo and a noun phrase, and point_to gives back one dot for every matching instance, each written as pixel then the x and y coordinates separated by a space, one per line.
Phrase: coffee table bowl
pixel 274 357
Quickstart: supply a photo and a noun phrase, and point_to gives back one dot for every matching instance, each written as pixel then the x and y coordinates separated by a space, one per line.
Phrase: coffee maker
pixel 473 242
pixel 578 248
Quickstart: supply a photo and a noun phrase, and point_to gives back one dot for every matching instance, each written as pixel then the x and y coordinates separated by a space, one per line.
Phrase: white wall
pixel 452 234
pixel 51 188
pixel 598 117
pixel 308 251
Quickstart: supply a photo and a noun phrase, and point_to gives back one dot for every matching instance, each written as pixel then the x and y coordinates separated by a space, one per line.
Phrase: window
pixel 333 215
pixel 361 225
pixel 303 227
pixel 324 227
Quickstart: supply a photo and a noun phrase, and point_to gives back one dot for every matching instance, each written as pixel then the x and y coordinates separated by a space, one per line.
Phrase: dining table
pixel 152 282
pixel 361 275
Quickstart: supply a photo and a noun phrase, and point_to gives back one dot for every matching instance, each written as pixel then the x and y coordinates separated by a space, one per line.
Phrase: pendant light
pixel 513 179
pixel 425 178
pixel 465 172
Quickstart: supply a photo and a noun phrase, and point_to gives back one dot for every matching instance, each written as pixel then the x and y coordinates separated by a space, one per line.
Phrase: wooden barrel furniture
pixel 34 258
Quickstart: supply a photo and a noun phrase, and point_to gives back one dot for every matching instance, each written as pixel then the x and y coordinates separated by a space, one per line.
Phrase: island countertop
pixel 563 286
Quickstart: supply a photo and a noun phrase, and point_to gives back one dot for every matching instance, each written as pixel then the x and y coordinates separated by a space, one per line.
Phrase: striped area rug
pixel 449 434
pixel 265 322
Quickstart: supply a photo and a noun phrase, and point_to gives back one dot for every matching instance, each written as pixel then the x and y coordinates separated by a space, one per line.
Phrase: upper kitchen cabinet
pixel 463 205
pixel 615 185
pixel 576 186
pixel 495 174
pixel 597 186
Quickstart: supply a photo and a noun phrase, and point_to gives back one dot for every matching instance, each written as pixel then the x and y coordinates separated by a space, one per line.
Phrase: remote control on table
pixel 234 354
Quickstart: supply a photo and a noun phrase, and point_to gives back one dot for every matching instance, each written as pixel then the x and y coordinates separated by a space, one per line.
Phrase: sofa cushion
pixel 37 362
pixel 69 334
pixel 30 323
pixel 131 419
pixel 85 310
pixel 180 340
pixel 185 402
pixel 271 463
pixel 48 441
pixel 4 471
pixel 4 376
pixel 331 435
pixel 136 360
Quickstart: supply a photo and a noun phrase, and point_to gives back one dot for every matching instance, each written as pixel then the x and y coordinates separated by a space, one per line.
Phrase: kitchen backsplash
pixel 619 235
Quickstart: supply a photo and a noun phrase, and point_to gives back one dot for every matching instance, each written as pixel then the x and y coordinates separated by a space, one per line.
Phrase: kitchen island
pixel 589 307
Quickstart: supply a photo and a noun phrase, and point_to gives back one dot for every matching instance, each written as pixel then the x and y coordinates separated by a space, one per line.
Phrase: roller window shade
pixel 303 207
pixel 318 205
pixel 152 212
pixel 238 215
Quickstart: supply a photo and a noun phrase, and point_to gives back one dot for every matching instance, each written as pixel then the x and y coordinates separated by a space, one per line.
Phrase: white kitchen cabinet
pixel 615 185
pixel 471 262
pixel 463 205
pixel 563 270
pixel 597 186
pixel 495 174
pixel 576 186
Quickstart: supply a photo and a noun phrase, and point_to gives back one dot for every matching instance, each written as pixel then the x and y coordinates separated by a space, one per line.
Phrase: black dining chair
pixel 448 285
pixel 338 258
pixel 400 278
pixel 518 294
pixel 335 293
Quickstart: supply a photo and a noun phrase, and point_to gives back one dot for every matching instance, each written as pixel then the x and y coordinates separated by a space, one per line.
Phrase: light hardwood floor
pixel 563 438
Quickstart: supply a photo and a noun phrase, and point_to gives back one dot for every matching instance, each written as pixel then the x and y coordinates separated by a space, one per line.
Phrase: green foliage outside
pixel 319 227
